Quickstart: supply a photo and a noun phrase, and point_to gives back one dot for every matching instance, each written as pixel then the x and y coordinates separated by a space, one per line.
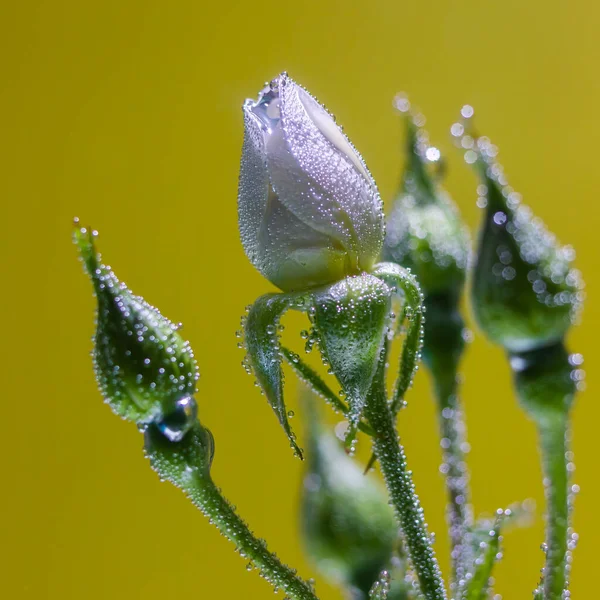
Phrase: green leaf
pixel 398 278
pixel 312 379
pixel 145 370
pixel 350 318
pixel 264 353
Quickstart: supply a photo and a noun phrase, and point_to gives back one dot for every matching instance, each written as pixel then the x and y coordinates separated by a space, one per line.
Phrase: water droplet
pixel 178 422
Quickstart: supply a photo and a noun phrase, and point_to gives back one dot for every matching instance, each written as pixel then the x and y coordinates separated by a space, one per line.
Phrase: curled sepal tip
pixel 265 355
pixel 350 318
pixel 145 370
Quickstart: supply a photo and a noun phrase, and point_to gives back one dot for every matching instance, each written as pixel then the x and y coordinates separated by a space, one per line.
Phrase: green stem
pixel 459 510
pixel 556 483
pixel 545 385
pixel 442 351
pixel 208 498
pixel 398 479
pixel 186 464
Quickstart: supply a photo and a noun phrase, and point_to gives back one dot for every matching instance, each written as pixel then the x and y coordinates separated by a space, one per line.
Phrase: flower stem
pixel 208 498
pixel 398 478
pixel 556 483
pixel 186 464
pixel 442 351
pixel 454 467
pixel 545 383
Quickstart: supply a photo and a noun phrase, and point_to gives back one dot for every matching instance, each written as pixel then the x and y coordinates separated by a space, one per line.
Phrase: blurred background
pixel 127 114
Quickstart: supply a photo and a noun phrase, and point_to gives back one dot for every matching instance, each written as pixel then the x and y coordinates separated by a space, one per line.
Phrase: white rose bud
pixel 309 210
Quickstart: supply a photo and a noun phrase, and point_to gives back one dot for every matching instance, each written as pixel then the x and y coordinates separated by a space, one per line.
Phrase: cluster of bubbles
pixel 577 373
pixel 381 588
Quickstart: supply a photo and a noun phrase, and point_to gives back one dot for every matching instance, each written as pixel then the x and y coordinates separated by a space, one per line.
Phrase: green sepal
pixel 143 367
pixel 350 318
pixel 265 356
pixel 348 526
pixel 424 231
pixel 177 462
pixel 311 378
pixel 525 292
pixel 401 279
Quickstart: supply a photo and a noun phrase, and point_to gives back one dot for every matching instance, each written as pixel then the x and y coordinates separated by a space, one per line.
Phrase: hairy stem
pixel 454 468
pixel 399 482
pixel 556 483
pixel 545 383
pixel 186 464
pixel 442 351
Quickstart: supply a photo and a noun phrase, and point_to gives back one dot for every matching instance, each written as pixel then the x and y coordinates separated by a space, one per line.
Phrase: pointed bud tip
pixel 347 524
pixel 83 238
pixel 401 102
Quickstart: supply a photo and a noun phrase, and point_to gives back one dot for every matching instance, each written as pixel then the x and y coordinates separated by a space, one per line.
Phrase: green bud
pixel 525 291
pixel 424 231
pixel 348 526
pixel 145 370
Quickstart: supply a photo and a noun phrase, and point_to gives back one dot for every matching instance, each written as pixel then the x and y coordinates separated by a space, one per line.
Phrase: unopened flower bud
pixel 348 526
pixel 424 231
pixel 526 293
pixel 309 210
pixel 145 370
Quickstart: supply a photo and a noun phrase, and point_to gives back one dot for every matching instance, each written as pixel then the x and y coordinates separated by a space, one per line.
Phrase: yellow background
pixel 127 113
